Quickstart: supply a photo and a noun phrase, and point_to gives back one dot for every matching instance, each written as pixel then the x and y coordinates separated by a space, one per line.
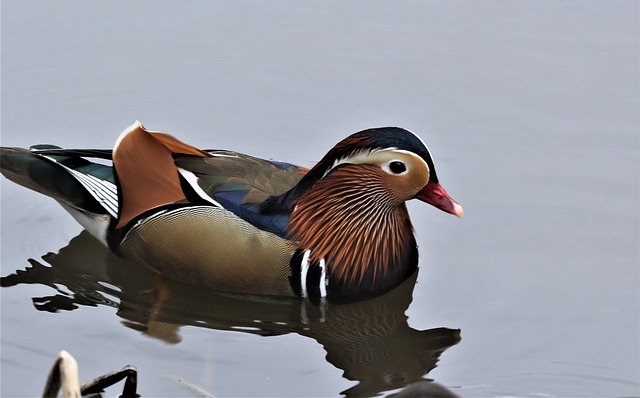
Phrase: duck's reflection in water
pixel 370 340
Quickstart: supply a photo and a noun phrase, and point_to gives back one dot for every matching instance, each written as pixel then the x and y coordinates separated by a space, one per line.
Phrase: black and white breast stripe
pixel 308 279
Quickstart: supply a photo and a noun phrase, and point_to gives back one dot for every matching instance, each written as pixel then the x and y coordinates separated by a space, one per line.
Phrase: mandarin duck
pixel 237 223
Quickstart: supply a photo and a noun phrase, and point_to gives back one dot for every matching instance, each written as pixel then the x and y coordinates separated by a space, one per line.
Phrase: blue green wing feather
pixel 241 183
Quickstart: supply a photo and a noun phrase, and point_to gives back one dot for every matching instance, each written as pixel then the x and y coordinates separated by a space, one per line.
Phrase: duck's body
pixel 237 223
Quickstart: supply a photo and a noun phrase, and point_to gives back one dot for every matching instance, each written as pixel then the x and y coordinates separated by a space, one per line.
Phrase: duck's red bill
pixel 434 194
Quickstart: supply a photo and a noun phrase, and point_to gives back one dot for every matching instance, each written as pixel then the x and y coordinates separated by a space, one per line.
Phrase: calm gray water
pixel 531 110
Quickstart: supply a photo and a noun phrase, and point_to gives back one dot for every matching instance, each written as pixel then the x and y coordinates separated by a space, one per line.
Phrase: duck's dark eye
pixel 397 167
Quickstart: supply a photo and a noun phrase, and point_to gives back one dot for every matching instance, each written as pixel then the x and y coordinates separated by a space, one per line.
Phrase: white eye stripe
pixel 375 156
pixel 383 157
pixel 359 157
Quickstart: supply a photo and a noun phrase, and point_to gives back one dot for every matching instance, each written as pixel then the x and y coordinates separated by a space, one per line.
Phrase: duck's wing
pixel 63 175
pixel 152 169
pixel 241 183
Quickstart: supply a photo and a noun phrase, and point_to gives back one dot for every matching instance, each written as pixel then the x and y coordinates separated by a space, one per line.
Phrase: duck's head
pixel 393 156
pixel 398 158
pixel 349 208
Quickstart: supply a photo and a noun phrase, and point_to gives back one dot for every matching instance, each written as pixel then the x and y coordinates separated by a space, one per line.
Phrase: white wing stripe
pixel 109 197
pixel 193 182
pixel 103 191
pixel 109 186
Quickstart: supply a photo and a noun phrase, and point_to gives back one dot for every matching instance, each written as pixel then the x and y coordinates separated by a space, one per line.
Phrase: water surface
pixel 530 110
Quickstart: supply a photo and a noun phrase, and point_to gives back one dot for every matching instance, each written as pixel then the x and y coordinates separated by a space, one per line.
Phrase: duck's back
pixel 214 235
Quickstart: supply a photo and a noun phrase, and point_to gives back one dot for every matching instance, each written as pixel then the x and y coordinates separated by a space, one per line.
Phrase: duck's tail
pixel 85 189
